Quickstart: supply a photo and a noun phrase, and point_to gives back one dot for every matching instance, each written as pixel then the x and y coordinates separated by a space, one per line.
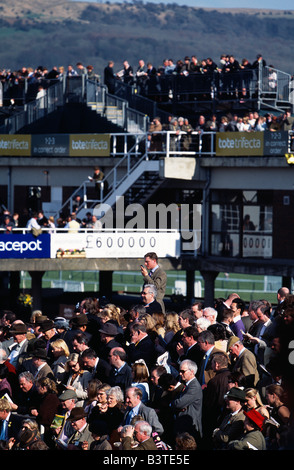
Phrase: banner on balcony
pixel 89 145
pixel 21 246
pixel 16 145
pixel 249 144
pixel 55 145
pixel 232 144
pixel 50 145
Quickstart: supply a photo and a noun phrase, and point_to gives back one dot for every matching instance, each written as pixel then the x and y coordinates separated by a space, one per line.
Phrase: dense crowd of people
pixel 148 378
pixel 228 77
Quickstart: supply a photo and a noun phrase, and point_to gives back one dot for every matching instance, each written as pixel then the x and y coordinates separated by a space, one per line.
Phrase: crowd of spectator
pixel 228 75
pixel 206 378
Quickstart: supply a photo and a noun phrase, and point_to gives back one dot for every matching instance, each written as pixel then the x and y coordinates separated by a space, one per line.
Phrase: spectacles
pixel 182 371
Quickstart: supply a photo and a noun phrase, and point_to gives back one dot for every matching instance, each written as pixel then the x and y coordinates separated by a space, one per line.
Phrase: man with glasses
pixel 142 433
pixel 188 406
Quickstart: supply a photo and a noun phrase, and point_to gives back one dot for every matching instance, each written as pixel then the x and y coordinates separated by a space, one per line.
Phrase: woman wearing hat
pixel 253 438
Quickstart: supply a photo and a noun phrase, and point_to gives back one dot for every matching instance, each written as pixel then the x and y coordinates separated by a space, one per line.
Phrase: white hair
pixel 202 323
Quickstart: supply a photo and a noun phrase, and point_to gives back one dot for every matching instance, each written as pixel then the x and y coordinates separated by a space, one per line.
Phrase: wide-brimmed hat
pixel 109 329
pixel 18 329
pixel 255 417
pixel 236 393
pixel 77 413
pixel 47 325
pixel 39 353
pixel 40 319
pixel 80 320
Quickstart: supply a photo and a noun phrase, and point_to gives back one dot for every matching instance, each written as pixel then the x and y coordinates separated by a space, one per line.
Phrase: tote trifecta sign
pixel 20 246
pixel 249 144
pixel 55 145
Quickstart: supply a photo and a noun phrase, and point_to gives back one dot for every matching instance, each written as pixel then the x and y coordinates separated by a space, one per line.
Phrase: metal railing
pixel 115 108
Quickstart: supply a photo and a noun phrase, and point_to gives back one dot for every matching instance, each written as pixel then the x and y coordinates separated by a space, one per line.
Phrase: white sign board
pixel 112 244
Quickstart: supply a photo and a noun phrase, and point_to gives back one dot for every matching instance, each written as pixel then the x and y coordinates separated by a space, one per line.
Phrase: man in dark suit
pixel 142 346
pixel 121 372
pixel 188 406
pixel 206 342
pixel 154 274
pixel 108 333
pixel 189 349
pixel 10 424
pixel 150 303
pixel 99 368
pixel 109 77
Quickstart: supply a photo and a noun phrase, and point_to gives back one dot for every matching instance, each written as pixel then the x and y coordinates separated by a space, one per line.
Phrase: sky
pixel 260 4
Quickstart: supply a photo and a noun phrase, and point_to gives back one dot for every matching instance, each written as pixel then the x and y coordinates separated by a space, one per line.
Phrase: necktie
pixel 3 434
pixel 202 369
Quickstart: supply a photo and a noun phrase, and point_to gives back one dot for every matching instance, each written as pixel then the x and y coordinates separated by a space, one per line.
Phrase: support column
pixel 105 284
pixel 209 278
pixel 190 282
pixel 36 277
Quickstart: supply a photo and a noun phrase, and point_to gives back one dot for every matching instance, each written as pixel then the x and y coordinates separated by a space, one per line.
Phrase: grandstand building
pixel 222 203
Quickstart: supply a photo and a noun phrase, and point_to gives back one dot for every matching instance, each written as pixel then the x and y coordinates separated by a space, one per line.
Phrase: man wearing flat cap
pixel 78 418
pixel 232 426
pixel 61 434
pixel 243 361
pixel 108 332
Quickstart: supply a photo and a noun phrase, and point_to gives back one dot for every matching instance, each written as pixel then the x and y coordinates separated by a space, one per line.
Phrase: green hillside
pixel 63 32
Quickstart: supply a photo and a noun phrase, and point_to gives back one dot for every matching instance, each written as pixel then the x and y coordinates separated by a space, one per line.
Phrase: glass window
pixel 241 224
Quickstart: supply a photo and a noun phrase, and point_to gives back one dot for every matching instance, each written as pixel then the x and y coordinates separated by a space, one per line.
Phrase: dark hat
pixel 77 413
pixel 236 393
pixel 256 417
pixel 18 329
pixel 39 353
pixel 109 329
pixel 80 320
pixel 99 427
pixel 47 325
pixel 67 395
pixel 40 319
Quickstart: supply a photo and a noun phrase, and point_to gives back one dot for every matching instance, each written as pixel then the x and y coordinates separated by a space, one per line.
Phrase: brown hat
pixel 18 329
pixel 80 320
pixel 40 319
pixel 47 325
pixel 77 413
